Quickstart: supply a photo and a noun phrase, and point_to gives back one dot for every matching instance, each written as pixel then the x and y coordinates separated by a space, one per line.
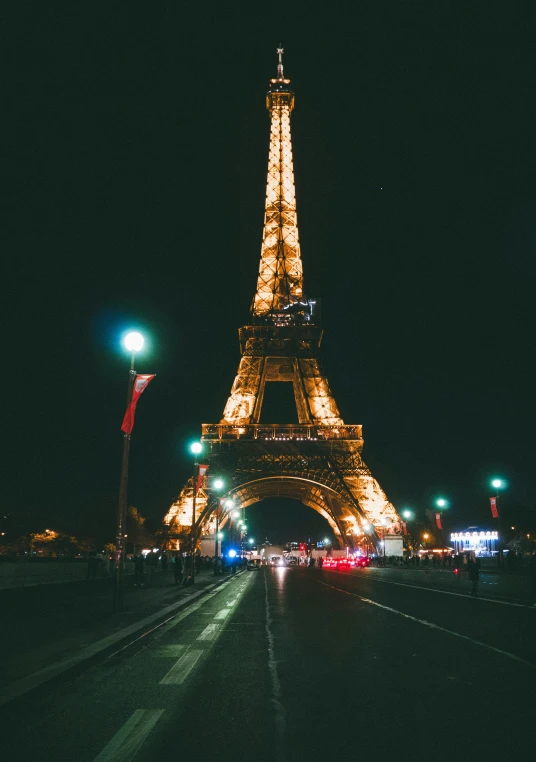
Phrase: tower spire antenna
pixel 280 52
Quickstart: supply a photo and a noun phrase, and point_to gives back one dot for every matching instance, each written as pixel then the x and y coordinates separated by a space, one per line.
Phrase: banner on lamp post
pixel 201 471
pixel 140 383
pixel 494 507
pixel 438 520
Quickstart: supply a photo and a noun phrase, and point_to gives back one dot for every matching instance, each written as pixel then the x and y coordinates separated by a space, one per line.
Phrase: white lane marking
pixel 372 578
pixel 434 626
pixel 222 614
pixel 178 619
pixel 280 719
pixel 181 669
pixel 127 741
pixel 209 632
pixel 169 651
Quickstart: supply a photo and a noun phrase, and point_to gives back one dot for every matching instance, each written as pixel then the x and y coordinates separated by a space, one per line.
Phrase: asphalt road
pixel 291 664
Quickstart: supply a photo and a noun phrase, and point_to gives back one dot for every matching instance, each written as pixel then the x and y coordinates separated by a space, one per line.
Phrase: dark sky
pixel 135 148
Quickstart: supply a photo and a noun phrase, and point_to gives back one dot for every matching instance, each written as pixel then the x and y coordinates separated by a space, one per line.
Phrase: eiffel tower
pixel 318 460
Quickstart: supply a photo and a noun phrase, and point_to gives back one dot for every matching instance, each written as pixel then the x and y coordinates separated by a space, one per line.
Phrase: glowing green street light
pixel 236 514
pixel 218 484
pixel 229 504
pixel 441 502
pixel 133 342
pixel 251 540
pixel 408 514
pixel 196 448
pixel 497 483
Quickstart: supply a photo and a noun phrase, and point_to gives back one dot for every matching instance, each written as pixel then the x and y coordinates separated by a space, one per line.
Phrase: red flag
pixel 404 527
pixel 140 382
pixel 494 507
pixel 201 471
pixel 438 520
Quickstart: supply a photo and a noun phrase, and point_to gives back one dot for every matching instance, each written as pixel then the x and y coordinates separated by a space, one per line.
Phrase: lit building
pixel 481 542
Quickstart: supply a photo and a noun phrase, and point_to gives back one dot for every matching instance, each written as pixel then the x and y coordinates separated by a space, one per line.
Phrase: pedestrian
pixel 139 570
pixel 152 562
pixel 177 568
pixel 532 573
pixel 320 562
pixel 473 567
pixel 164 560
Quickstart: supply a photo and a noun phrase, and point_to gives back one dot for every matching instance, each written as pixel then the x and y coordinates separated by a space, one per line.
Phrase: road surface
pixel 292 663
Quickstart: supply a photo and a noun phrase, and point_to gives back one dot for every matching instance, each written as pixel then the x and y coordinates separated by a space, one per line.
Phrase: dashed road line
pixel 222 613
pixel 182 668
pixel 128 740
pixel 209 632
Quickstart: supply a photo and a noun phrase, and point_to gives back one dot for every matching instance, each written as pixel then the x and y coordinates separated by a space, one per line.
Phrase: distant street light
pixel 407 514
pixel 133 343
pixel 426 536
pixel 441 502
pixel 218 484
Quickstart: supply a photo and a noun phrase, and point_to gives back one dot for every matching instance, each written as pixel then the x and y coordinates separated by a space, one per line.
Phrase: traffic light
pixel 302 546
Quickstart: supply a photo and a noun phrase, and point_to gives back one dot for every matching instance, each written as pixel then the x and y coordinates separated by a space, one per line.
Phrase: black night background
pixel 135 150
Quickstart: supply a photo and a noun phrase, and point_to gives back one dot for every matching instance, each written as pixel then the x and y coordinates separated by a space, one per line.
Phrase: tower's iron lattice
pixel 317 461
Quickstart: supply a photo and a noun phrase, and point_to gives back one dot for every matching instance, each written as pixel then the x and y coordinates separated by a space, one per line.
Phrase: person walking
pixel 164 560
pixel 139 570
pixel 177 568
pixel 151 561
pixel 473 568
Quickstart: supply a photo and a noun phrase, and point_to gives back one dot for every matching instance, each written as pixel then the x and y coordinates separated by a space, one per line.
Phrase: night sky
pixel 135 151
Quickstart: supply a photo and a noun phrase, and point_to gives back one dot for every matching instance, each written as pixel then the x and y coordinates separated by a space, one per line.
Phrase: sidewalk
pixel 52 628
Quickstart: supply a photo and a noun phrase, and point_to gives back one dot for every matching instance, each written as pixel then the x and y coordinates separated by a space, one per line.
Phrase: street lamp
pixel 218 484
pixel 133 342
pixel 195 448
pixel 408 514
pixel 497 484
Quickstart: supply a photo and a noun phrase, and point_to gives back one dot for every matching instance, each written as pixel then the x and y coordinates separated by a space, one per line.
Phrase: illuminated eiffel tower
pixel 318 460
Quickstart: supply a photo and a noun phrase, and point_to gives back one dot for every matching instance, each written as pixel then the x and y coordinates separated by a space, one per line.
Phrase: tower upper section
pixel 280 281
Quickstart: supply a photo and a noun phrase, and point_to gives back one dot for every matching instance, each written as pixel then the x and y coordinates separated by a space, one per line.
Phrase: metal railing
pixel 280 432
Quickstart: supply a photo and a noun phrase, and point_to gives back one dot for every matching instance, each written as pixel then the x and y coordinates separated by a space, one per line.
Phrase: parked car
pixel 254 563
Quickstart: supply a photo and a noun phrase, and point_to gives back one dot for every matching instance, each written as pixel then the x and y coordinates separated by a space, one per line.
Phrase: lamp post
pixel 133 342
pixel 498 484
pixel 196 448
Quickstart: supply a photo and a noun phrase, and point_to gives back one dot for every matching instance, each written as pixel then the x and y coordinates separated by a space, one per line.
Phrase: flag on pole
pixel 140 382
pixel 201 471
pixel 494 507
pixel 438 520
pixel 404 527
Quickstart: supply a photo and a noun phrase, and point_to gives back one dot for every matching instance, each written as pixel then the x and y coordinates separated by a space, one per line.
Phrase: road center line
pixel 127 741
pixel 280 719
pixel 433 626
pixel 373 578
pixel 209 632
pixel 182 668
